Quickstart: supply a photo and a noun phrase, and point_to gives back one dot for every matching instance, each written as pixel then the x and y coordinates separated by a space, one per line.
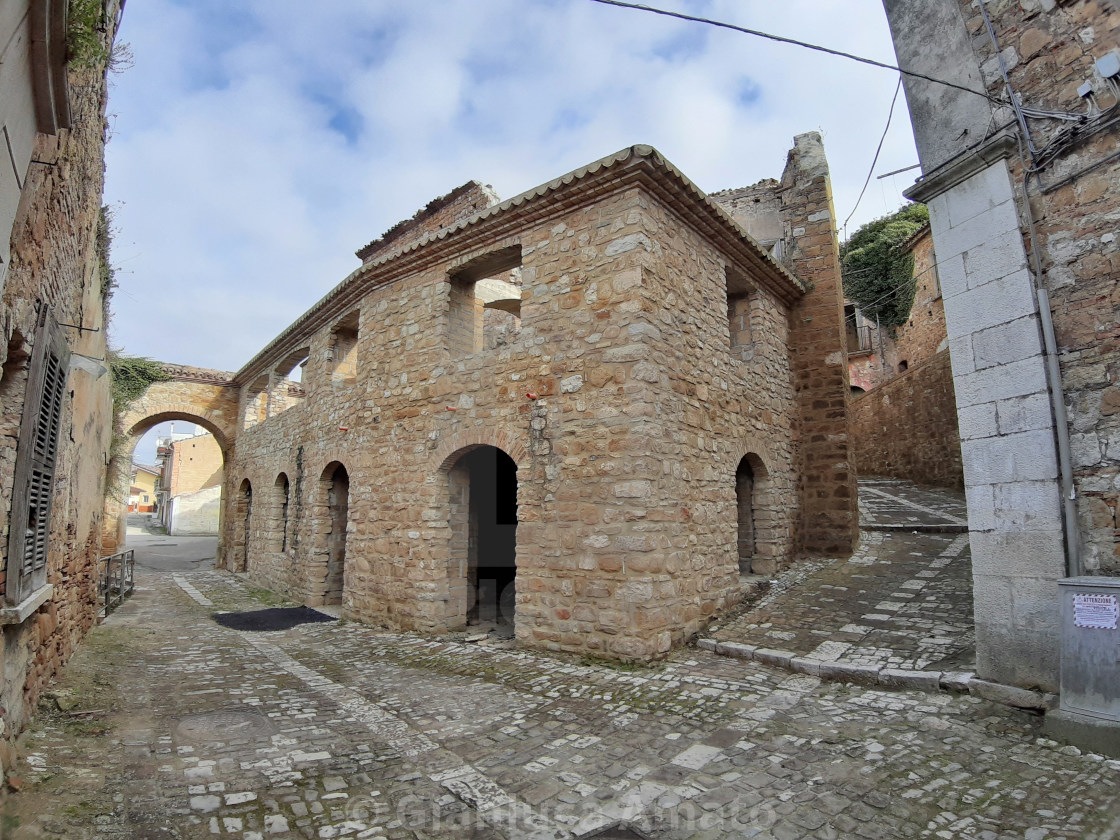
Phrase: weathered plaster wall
pixel 196 513
pixel 907 428
pixel 54 264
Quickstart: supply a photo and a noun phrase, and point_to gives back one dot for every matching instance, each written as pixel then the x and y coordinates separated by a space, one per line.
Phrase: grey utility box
pixel 1091 647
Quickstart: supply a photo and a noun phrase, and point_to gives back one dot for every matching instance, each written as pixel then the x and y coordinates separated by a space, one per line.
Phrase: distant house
pixel 192 485
pixel 143 489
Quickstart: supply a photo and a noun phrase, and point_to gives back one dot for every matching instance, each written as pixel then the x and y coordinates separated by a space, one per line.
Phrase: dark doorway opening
pixel 490 479
pixel 744 499
pixel 338 507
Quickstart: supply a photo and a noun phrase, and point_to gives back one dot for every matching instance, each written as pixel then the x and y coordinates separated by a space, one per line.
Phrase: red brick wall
pixel 907 428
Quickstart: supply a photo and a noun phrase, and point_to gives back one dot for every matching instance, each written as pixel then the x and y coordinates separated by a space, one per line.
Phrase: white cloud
pixel 257 145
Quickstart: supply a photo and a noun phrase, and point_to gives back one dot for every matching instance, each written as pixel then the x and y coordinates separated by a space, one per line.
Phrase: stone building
pixel 585 409
pixel 55 402
pixel 192 482
pixel 1020 172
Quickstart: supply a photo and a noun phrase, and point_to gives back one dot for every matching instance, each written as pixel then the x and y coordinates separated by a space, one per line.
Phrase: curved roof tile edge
pixel 640 150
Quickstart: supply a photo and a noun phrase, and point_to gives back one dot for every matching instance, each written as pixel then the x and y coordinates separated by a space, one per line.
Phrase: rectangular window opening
pixel 484 310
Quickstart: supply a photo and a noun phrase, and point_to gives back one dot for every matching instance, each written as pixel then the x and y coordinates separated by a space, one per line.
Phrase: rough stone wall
pixel 795 218
pixel 1051 49
pixel 829 520
pixel 626 450
pixel 54 263
pixel 907 428
pixel 195 464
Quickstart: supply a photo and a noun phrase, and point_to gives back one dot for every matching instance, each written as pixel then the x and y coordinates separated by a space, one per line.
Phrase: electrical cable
pixel 875 160
pixel 783 40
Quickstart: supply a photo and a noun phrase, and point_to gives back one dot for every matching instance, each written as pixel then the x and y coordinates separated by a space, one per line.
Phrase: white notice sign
pixel 1099 612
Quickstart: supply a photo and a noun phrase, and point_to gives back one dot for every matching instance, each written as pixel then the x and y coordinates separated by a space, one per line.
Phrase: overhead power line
pixel 875 160
pixel 783 40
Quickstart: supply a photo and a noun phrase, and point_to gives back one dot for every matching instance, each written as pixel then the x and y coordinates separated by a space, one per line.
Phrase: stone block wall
pixel 907 428
pixel 795 219
pixel 829 520
pixel 1023 536
pixel 620 400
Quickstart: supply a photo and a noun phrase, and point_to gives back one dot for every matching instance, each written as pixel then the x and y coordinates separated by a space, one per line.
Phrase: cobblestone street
pixel 170 726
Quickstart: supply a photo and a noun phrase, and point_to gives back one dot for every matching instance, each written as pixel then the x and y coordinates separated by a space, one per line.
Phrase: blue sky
pixel 255 145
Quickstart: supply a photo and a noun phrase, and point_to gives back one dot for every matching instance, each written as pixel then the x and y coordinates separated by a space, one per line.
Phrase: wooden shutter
pixel 30 521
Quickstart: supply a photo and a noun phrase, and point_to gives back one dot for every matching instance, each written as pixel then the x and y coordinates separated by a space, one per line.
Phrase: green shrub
pixel 878 272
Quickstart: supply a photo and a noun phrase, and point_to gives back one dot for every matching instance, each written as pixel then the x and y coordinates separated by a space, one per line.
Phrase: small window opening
pixel 484 305
pixel 286 383
pixel 903 366
pixel 256 403
pixel 344 351
pixel 740 297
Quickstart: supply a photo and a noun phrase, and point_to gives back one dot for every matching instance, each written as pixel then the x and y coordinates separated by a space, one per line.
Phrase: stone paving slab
pixel 903 601
pixel 186 729
pixel 893 504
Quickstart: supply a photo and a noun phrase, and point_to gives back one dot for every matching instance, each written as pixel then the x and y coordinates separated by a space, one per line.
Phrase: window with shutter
pixel 30 521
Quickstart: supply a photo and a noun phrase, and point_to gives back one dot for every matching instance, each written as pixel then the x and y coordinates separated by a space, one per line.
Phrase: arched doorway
pixel 186 453
pixel 243 527
pixel 483 485
pixel 755 537
pixel 282 500
pixel 335 492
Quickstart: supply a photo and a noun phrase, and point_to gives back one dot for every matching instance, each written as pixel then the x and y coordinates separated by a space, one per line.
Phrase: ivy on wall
pixel 878 272
pixel 131 376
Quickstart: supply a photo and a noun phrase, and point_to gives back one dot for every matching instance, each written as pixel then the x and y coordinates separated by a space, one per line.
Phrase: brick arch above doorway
pixel 461 442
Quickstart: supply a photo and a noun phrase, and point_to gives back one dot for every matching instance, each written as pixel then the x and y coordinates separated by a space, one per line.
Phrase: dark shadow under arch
pixel 482 483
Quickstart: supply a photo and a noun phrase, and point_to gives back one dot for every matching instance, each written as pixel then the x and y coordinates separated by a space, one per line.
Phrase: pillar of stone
pixel 829 521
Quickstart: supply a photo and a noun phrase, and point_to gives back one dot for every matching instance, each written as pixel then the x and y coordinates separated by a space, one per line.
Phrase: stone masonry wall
pixel 907 428
pixel 54 263
pixel 443 212
pixel 795 218
pixel 1023 536
pixel 626 449
pixel 829 520
pixel 1050 49
pixel 199 395
pixel 921 338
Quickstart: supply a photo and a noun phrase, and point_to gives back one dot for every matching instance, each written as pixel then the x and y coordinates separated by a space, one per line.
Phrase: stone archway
pixel 207 398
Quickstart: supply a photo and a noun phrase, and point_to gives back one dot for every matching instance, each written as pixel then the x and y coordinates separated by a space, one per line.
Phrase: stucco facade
pixel 607 358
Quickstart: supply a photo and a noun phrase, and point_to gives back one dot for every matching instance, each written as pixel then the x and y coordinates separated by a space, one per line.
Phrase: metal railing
pixel 116 581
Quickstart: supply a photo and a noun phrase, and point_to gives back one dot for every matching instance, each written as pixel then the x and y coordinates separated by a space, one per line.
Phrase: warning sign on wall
pixel 1098 612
